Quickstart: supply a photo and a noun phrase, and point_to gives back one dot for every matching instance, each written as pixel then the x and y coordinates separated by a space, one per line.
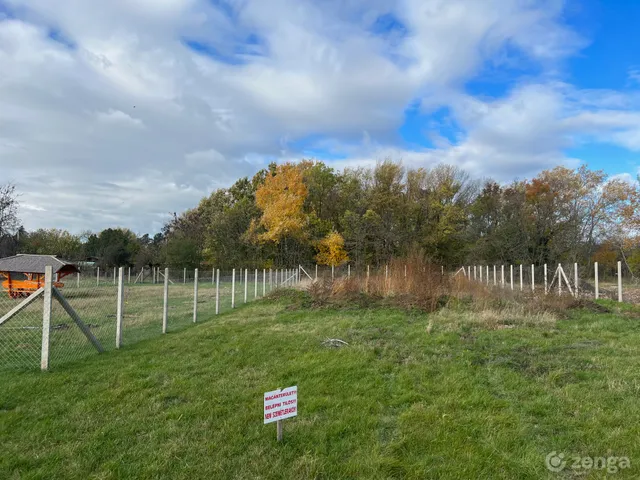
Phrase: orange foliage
pixel 331 250
pixel 281 198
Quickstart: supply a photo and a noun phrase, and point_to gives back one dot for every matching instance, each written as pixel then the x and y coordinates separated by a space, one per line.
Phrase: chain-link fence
pixel 84 316
pixel 20 333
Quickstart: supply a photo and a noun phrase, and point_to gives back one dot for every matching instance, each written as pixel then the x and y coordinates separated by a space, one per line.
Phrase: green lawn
pixel 451 395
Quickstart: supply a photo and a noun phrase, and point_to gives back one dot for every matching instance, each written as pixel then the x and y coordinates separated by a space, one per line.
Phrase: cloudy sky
pixel 114 113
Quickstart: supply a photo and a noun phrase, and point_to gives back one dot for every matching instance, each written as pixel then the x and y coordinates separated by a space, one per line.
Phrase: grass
pixel 447 395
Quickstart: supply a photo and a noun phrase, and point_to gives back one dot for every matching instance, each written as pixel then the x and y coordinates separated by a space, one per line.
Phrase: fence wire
pixel 93 297
pixel 21 335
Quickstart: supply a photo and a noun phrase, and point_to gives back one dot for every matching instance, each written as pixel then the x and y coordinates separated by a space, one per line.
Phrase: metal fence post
pixel 46 317
pixel 120 308
pixel 165 310
pixel 195 296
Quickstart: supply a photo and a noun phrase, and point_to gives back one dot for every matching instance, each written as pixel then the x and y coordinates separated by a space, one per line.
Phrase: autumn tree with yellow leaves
pixel 281 198
pixel 331 250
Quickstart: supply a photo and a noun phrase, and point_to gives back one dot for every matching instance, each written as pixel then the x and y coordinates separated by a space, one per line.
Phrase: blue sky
pixel 117 113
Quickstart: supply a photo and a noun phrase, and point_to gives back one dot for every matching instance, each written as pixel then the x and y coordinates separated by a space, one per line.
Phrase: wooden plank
pixel 76 318
pixel 22 305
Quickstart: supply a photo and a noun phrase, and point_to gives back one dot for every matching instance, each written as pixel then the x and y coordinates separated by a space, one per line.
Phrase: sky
pixel 114 114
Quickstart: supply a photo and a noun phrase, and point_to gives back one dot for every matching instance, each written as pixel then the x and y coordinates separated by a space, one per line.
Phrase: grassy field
pixel 20 338
pixel 447 395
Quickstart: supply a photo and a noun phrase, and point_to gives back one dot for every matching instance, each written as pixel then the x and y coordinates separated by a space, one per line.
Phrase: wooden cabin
pixel 23 274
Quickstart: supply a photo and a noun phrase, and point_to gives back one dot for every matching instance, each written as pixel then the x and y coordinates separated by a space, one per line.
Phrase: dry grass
pixel 424 287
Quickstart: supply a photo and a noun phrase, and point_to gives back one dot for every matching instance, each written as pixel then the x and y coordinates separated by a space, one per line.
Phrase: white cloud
pixel 129 123
pixel 118 117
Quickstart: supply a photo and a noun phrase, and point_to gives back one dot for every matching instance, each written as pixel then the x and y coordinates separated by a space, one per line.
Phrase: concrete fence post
pixel 502 275
pixel 270 280
pixel 487 279
pixel 533 278
pixel 620 282
pixel 114 275
pixel 120 308
pixel 316 271
pixel 480 273
pixel 165 309
pixel 264 282
pixel 546 285
pixel 521 280
pixel 46 317
pixel 78 279
pixel 255 294
pixel 129 277
pixel 195 296
pixel 217 291
pixel 495 277
pixel 575 277
pixel 246 283
pixel 98 277
pixel 332 272
pixel 233 289
pixel 559 279
pixel 597 286
pixel 184 276
pixel 511 275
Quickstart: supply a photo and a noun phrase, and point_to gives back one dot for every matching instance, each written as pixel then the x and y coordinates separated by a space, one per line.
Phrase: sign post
pixel 279 405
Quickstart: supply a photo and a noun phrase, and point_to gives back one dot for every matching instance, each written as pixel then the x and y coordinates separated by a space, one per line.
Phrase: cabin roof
pixel 27 263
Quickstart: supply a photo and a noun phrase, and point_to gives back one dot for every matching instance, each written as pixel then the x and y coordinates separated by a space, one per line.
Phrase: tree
pixel 52 241
pixel 331 250
pixel 281 198
pixel 9 221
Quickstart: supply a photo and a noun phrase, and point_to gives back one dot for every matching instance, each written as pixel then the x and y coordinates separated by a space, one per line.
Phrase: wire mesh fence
pixel 20 334
pixel 154 301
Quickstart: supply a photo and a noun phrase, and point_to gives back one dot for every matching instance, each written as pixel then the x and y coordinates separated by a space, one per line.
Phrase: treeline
pixel 308 212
